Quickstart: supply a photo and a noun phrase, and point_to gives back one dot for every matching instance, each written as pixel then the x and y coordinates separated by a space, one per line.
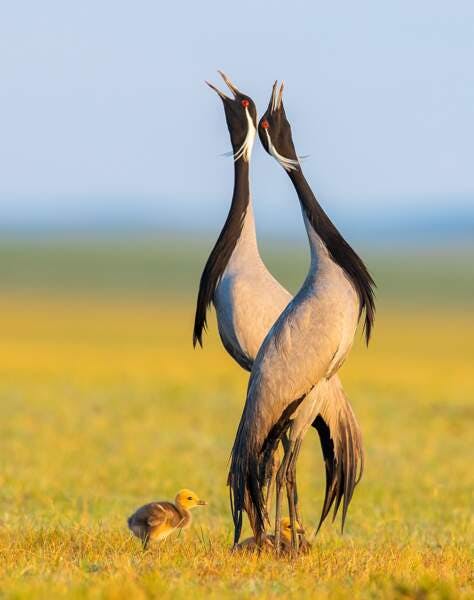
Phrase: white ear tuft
pixel 289 164
pixel 246 149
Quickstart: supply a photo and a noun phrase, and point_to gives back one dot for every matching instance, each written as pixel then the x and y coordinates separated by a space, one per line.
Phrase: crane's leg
pixel 271 480
pixel 293 476
pixel 280 480
pixel 292 495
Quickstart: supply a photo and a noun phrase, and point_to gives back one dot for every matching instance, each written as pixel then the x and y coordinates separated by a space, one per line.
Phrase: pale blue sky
pixel 103 110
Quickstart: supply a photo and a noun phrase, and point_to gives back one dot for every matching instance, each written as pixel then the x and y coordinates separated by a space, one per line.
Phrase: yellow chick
pixel 157 520
pixel 249 545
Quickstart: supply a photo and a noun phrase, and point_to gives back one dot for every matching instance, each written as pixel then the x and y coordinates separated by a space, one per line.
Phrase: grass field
pixel 105 406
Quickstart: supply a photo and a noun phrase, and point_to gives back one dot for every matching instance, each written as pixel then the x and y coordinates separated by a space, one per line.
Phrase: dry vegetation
pixel 105 406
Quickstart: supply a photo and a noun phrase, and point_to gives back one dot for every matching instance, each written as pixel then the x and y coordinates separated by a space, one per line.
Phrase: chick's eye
pixel 190 497
pixel 245 103
pixel 265 124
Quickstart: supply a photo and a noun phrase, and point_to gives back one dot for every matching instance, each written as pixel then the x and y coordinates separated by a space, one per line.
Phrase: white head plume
pixel 245 149
pixel 289 164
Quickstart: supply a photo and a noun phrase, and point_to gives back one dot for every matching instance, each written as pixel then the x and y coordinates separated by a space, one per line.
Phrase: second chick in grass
pixel 157 520
pixel 250 545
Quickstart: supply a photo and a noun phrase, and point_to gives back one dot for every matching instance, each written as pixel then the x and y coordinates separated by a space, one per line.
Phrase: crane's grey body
pixel 310 339
pixel 248 299
pixel 250 303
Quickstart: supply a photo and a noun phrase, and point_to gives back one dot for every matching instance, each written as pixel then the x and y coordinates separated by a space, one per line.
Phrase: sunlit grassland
pixel 105 405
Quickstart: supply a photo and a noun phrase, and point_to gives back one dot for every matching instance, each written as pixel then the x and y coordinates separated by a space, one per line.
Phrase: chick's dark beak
pixel 202 503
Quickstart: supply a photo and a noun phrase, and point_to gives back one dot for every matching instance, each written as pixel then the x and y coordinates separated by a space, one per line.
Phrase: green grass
pixel 165 266
pixel 106 406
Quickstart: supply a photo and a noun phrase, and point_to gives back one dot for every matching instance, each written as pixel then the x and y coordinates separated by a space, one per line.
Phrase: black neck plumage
pixel 340 251
pixel 223 248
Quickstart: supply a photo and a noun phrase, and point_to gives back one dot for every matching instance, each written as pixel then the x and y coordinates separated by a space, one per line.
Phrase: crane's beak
pixel 217 90
pixel 233 88
pixel 276 98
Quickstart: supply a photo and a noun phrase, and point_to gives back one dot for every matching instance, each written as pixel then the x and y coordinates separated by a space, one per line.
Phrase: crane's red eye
pixel 265 124
pixel 245 102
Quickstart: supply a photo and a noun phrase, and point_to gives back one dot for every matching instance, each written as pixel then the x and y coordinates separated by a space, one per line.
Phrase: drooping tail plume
pixel 341 444
pixel 245 482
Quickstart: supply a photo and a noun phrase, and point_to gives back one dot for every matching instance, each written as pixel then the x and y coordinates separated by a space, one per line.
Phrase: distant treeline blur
pixel 166 265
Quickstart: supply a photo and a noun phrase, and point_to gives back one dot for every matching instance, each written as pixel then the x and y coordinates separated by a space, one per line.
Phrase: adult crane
pixel 248 300
pixel 292 381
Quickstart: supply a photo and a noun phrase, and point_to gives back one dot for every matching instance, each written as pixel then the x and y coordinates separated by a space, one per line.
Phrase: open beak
pixel 276 97
pixel 235 91
pixel 229 83
pixel 202 503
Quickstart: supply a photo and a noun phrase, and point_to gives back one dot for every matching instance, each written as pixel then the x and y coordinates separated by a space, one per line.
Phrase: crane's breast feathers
pixel 246 309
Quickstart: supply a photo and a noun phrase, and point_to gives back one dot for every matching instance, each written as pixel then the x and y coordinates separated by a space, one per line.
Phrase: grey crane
pixel 292 384
pixel 248 300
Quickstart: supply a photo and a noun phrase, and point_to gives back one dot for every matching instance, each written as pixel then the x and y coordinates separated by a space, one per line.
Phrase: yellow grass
pixel 105 406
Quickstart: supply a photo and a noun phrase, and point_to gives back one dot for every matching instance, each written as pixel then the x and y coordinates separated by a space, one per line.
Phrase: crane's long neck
pixel 239 228
pixel 236 246
pixel 327 244
pixel 314 218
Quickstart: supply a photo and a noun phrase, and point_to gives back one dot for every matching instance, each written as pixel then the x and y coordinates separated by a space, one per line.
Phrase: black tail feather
pixel 246 491
pixel 341 444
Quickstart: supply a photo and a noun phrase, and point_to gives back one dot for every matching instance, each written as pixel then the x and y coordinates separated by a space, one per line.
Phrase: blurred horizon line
pixel 147 216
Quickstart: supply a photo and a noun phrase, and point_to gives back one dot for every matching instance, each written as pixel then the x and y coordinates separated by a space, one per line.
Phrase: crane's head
pixel 188 499
pixel 286 529
pixel 241 116
pixel 274 131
